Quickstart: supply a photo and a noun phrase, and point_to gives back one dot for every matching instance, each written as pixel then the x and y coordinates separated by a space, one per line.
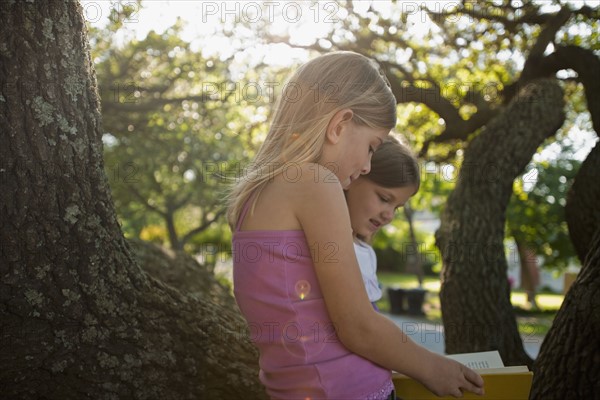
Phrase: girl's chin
pixel 350 180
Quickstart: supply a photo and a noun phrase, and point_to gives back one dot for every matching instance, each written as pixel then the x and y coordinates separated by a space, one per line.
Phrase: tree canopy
pixel 453 67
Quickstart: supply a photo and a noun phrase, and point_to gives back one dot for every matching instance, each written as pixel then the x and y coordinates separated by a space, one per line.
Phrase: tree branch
pixel 586 64
pixel 202 227
pixel 544 39
pixel 144 201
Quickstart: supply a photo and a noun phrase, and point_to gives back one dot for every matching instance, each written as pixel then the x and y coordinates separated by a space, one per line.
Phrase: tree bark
pixel 181 271
pixel 79 317
pixel 571 349
pixel 568 365
pixel 582 210
pixel 475 295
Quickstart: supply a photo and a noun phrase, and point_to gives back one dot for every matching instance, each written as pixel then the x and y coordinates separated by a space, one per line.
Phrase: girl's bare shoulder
pixel 308 176
pixel 297 189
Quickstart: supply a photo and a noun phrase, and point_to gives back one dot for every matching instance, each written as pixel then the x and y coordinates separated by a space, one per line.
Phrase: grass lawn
pixel 530 322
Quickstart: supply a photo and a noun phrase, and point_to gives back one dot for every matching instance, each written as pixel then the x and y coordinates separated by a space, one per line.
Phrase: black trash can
pixel 415 299
pixel 396 296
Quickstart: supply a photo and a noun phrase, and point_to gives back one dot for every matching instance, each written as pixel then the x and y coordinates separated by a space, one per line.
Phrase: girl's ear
pixel 337 123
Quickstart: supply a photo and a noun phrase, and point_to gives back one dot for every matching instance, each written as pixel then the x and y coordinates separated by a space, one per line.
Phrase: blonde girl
pixel 296 278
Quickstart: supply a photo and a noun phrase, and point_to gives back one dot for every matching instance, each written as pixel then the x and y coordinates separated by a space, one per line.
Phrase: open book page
pixel 482 360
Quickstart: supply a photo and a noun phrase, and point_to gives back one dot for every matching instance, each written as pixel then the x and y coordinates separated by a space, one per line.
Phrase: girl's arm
pixel 320 208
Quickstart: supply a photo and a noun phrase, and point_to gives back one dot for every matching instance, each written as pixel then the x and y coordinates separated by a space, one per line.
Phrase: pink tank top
pixel 301 357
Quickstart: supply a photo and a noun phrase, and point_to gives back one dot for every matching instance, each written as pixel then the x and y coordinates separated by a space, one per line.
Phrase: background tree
pixel 538 64
pixel 471 235
pixel 178 129
pixel 79 316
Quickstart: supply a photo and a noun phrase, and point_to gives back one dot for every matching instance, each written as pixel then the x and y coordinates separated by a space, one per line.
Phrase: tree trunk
pixel 79 317
pixel 414 262
pixel 571 349
pixel 582 211
pixel 176 244
pixel 530 275
pixel 568 365
pixel 475 294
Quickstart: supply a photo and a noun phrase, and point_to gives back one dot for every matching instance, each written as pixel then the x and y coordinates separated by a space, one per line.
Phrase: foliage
pixel 452 67
pixel 393 247
pixel 176 136
pixel 536 216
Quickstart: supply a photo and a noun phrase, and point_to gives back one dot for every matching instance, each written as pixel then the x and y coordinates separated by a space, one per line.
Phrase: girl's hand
pixel 447 377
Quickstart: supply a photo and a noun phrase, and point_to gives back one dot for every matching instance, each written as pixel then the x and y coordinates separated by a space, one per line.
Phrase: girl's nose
pixel 388 214
pixel 367 167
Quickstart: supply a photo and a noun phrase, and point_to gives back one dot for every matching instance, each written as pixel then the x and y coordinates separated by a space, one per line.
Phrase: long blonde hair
pixel 312 96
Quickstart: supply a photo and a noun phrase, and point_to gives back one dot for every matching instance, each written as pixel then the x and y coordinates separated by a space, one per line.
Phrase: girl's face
pixel 356 151
pixel 372 206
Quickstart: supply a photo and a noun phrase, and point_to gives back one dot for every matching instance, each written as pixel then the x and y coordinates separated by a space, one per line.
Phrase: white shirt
pixel 367 261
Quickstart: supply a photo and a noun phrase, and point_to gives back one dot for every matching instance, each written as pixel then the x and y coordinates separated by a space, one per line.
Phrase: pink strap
pixel 244 211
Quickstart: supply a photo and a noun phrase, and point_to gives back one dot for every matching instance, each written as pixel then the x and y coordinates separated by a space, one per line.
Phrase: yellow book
pixel 500 382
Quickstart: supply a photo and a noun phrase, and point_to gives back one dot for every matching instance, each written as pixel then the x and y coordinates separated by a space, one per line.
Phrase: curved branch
pixel 202 227
pixel 586 64
pixel 546 37
pixel 530 16
pixel 457 128
pixel 144 200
